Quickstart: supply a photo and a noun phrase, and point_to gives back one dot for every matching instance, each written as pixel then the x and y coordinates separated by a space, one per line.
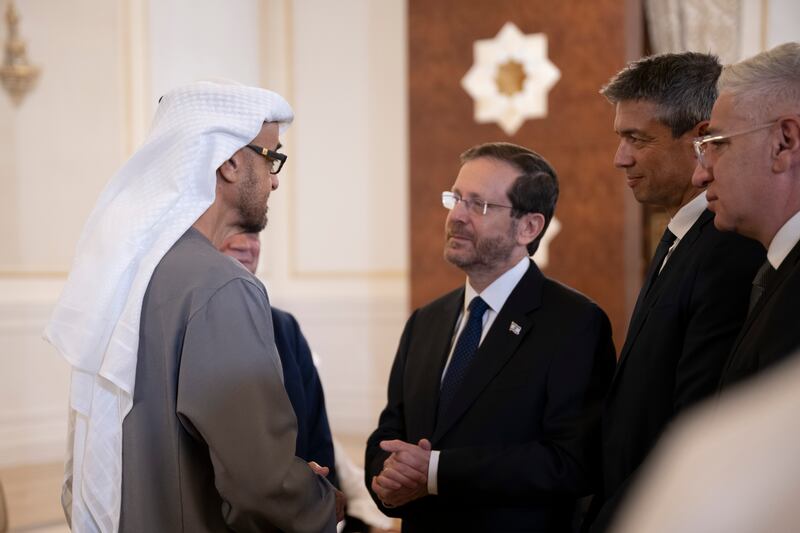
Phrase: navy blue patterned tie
pixel 464 352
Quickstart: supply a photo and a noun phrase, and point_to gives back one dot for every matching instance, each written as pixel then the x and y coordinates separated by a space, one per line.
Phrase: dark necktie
pixel 464 352
pixel 760 283
pixel 658 259
pixel 655 267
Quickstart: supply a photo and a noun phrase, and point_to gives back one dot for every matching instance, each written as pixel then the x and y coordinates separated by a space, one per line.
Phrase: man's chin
pixel 456 258
pixel 722 224
pixel 254 227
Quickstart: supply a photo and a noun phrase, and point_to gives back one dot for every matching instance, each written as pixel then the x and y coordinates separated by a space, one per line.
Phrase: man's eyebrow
pixel 631 131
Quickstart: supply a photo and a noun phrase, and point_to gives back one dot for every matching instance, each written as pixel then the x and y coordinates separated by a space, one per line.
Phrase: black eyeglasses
pixel 275 160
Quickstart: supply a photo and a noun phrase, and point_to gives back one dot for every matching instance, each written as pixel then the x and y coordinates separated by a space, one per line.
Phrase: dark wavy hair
pixel 535 190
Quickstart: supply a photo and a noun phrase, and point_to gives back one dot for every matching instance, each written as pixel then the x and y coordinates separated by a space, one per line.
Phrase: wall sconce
pixel 17 75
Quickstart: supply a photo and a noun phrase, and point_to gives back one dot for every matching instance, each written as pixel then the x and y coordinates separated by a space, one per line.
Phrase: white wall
pixel 67 137
pixel 337 238
pixel 783 22
pixel 339 219
pixel 767 23
pixel 59 147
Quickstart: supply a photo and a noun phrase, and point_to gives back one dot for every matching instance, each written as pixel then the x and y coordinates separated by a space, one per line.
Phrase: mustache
pixel 458 229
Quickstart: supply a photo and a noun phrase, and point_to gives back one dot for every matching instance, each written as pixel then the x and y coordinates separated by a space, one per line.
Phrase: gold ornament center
pixel 510 78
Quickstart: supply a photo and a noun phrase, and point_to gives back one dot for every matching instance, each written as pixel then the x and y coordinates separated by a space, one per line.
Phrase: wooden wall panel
pixel 587 42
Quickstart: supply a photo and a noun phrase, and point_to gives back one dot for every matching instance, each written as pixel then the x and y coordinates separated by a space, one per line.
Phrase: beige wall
pixel 336 245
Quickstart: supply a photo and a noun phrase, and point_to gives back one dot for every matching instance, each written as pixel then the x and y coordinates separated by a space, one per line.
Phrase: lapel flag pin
pixel 514 328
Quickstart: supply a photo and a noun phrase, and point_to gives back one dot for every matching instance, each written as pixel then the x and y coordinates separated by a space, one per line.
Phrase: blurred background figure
pixel 730 467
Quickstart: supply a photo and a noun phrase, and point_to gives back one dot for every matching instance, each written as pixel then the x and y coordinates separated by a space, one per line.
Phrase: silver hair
pixel 766 85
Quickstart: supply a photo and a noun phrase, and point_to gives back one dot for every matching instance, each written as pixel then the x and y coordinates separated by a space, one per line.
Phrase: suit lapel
pixel 787 267
pixel 682 252
pixel 439 335
pixel 500 343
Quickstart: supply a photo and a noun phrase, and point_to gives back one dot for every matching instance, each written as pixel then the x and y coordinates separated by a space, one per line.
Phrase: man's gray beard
pixel 488 254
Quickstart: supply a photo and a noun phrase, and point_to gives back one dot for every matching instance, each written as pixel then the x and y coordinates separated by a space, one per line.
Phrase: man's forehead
pixel 268 136
pixel 487 169
pixel 724 114
pixel 633 116
pixel 643 109
pixel 483 176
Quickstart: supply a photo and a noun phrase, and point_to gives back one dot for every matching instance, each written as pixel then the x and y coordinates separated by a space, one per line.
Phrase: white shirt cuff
pixel 433 470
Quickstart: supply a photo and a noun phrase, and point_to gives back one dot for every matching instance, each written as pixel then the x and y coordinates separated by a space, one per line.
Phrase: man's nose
pixel 701 176
pixel 623 157
pixel 459 211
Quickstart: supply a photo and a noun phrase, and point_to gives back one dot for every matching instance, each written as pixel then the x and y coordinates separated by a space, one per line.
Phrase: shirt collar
pixel 496 294
pixel 687 215
pixel 783 242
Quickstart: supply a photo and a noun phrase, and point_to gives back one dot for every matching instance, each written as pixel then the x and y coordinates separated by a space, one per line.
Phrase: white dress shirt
pixel 683 221
pixel 783 241
pixel 495 296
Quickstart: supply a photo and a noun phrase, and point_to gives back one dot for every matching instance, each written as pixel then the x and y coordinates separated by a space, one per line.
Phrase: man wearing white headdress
pixel 178 416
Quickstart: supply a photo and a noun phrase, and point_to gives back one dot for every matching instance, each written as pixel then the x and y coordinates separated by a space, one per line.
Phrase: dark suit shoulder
pixel 537 288
pixel 724 265
pixel 284 320
pixel 441 302
pixel 714 243
pixel 554 291
pixel 729 242
pixel 570 310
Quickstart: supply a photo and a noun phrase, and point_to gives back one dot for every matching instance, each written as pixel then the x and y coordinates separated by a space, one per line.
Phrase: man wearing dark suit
pixel 750 162
pixel 695 294
pixel 493 384
pixel 300 377
pixel 303 386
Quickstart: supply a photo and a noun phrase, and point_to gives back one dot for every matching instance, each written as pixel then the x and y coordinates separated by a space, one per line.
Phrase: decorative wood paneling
pixel 587 42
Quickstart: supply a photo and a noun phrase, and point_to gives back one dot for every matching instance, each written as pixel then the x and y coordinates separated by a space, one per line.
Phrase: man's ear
pixel 700 129
pixel 229 170
pixel 529 227
pixel 786 149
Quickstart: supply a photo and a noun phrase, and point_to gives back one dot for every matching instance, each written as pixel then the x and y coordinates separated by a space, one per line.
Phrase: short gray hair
pixel 766 85
pixel 683 87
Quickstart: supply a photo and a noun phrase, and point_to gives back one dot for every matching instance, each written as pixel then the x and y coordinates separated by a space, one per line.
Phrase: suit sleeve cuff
pixel 433 470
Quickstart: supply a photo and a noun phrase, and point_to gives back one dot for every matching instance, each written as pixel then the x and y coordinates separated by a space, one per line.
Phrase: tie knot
pixel 764 274
pixel 477 306
pixel 668 238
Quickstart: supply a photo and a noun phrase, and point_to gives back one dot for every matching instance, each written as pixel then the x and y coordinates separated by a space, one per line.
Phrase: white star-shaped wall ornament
pixel 542 255
pixel 510 78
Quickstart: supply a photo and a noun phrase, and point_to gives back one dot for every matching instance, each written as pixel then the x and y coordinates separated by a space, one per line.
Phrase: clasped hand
pixel 341 500
pixel 404 477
